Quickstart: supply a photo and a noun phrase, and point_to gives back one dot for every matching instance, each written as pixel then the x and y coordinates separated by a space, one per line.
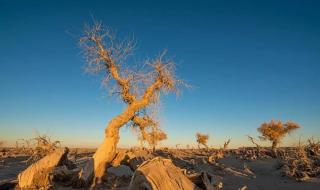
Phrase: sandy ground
pixel 267 176
pixel 266 173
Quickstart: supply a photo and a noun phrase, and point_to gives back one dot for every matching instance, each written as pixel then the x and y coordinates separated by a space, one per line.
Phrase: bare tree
pixel 138 87
pixel 253 141
pixel 226 144
pixel 202 139
pixel 274 131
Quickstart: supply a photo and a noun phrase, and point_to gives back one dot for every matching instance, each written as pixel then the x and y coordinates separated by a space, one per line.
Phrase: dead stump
pixel 38 175
pixel 160 174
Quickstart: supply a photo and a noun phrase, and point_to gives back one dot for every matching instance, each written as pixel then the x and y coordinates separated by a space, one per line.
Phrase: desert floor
pixel 229 170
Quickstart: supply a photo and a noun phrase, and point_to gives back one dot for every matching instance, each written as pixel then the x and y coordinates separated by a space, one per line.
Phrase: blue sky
pixel 248 61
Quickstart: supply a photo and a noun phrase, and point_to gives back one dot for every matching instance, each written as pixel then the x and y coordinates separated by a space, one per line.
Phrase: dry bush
pixel 202 139
pixel 303 161
pixel 152 135
pixel 253 154
pixel 274 131
pixel 254 141
pixel 36 147
pixel 220 153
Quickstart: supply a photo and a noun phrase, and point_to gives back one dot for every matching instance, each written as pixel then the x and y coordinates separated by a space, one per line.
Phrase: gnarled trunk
pixel 104 155
pixel 135 89
pixel 107 150
pixel 274 147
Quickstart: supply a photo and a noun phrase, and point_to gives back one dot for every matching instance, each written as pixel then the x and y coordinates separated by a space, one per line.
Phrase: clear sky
pixel 248 61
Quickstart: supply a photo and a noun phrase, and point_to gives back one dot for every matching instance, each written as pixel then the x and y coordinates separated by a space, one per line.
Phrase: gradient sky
pixel 248 61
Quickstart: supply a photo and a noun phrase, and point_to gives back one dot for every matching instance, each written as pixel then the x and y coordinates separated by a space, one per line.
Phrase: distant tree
pixel 202 139
pixel 154 136
pixel 253 141
pixel 138 86
pixel 274 131
pixel 226 144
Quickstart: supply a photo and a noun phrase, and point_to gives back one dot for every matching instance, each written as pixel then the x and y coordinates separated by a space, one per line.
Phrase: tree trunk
pixel 107 150
pixel 274 147
pixel 104 156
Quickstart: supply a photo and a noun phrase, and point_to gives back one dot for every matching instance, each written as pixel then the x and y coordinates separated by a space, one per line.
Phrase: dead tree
pixel 137 88
pixel 226 144
pixel 253 141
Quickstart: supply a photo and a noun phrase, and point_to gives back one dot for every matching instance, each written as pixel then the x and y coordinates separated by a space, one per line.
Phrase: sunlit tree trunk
pixel 107 150
pixel 274 147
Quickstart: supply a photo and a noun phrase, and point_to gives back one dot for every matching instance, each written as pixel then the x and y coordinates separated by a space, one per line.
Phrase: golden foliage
pixel 154 136
pixel 148 130
pixel 276 130
pixel 202 139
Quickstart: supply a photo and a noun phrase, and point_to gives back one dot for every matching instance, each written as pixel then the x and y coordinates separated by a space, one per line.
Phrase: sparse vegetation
pixel 300 163
pixel 41 163
pixel 254 141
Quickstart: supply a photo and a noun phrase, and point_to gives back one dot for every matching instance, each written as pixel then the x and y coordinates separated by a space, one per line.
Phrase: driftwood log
pixel 160 174
pixel 38 175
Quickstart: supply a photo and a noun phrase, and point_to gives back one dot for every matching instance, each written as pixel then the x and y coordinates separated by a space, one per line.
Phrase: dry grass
pixel 43 146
